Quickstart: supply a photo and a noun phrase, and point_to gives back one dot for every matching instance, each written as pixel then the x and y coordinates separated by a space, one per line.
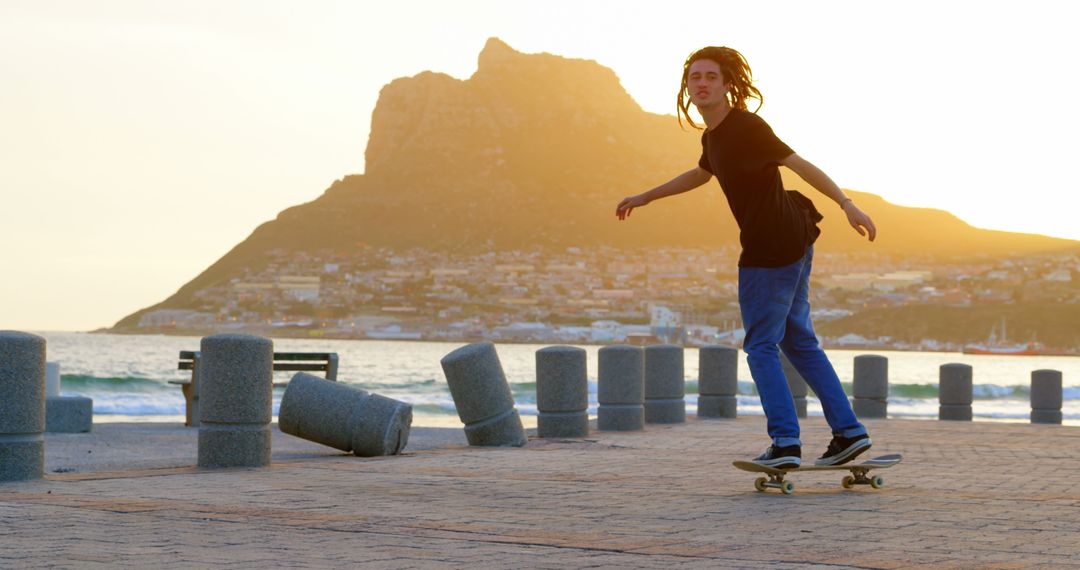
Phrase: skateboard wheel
pixel 877 482
pixel 847 482
pixel 759 483
pixel 787 487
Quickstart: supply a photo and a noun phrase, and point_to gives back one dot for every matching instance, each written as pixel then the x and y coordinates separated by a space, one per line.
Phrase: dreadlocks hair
pixel 736 72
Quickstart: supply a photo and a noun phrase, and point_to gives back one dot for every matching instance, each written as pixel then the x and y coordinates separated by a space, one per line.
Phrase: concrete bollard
pixel 562 392
pixel 797 384
pixel 52 379
pixel 344 417
pixel 954 392
pixel 69 414
pixel 665 385
pixel 482 396
pixel 237 397
pixel 22 406
pixel 65 414
pixel 620 389
pixel 718 368
pixel 1046 397
pixel 871 386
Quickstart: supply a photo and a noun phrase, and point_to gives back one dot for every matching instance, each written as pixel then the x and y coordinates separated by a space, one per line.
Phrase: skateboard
pixel 859 473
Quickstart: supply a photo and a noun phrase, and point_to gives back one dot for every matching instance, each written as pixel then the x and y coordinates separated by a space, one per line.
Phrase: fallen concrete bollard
pixel 954 392
pixel 665 385
pixel 1046 397
pixel 620 388
pixel 871 386
pixel 237 398
pixel 482 396
pixel 22 406
pixel 562 392
pixel 65 414
pixel 797 385
pixel 718 384
pixel 344 417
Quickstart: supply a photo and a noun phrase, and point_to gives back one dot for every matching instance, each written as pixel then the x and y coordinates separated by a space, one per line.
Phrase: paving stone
pixel 665 497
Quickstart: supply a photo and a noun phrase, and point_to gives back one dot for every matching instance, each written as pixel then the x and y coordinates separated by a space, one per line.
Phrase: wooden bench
pixel 326 362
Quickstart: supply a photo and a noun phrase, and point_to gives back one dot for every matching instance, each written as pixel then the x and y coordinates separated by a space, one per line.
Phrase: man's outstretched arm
pixel 682 183
pixel 822 183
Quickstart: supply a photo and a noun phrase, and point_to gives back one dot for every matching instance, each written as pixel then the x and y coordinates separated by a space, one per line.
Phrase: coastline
pixel 127 375
pixel 318 334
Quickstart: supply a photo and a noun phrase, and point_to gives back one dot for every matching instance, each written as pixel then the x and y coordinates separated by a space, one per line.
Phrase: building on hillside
pixel 613 293
pixel 1060 275
pixel 300 288
pixel 887 282
pixel 253 290
pixel 175 318
pixel 666 324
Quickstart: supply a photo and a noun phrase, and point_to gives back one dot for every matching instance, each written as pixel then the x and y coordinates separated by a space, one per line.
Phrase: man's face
pixel 706 84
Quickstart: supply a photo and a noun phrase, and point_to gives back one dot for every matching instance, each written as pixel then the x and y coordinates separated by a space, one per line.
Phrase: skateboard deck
pixel 859 473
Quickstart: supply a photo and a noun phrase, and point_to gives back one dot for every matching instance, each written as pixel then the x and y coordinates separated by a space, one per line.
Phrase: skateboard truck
pixel 858 477
pixel 775 481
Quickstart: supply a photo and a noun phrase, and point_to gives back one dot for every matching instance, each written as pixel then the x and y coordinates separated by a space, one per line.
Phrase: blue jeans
pixel 775 304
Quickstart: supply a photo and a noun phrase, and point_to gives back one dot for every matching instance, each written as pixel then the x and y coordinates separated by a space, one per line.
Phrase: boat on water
pixel 1026 349
pixel 1001 346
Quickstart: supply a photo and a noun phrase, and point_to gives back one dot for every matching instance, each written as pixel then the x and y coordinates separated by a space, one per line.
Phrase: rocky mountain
pixel 537 149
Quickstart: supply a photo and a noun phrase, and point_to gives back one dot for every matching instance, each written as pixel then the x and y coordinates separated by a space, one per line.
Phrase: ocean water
pixel 127 375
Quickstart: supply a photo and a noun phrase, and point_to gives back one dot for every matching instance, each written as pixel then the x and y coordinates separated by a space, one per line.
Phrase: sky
pixel 140 140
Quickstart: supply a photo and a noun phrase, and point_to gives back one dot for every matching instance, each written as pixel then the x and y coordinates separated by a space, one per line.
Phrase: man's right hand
pixel 684 182
pixel 628 204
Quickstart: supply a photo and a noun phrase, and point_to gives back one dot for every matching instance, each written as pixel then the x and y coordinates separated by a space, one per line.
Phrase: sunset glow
pixel 143 140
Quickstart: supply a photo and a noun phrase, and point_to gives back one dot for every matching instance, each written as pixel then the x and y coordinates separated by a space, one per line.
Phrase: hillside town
pixel 578 295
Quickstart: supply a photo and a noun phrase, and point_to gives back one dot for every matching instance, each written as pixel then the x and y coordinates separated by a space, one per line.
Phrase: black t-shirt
pixel 775 226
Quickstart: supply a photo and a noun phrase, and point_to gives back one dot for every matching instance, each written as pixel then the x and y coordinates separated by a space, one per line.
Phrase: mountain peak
pixel 515 103
pixel 495 53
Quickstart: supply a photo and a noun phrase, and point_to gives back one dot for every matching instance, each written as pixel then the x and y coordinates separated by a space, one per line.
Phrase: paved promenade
pixel 966 496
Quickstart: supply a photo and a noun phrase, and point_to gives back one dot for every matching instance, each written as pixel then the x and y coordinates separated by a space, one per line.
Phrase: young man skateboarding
pixel 777 230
